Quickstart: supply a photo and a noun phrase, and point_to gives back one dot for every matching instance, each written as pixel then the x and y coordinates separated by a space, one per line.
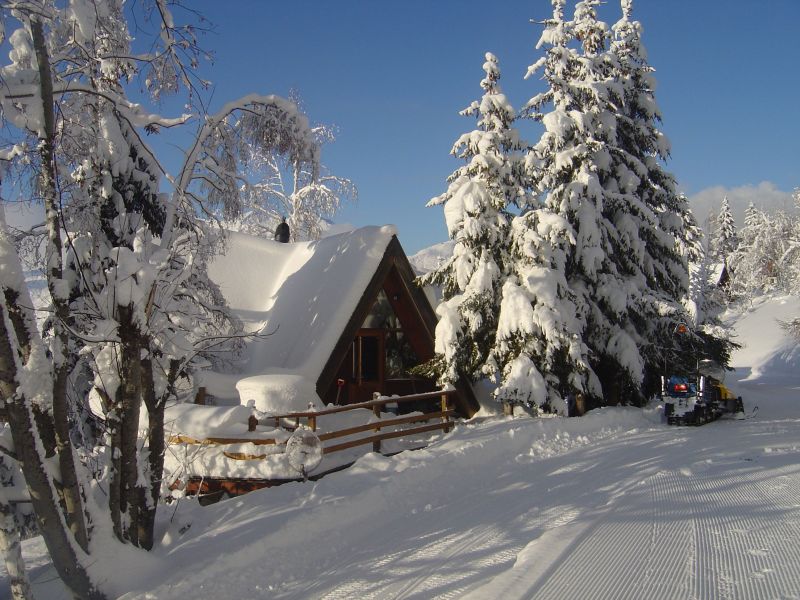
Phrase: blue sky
pixel 393 76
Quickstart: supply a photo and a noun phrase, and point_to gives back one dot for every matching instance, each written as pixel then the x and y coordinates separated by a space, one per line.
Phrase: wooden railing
pixel 311 418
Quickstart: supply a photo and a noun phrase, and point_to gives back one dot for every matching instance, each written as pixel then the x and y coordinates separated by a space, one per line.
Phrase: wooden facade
pixel 390 330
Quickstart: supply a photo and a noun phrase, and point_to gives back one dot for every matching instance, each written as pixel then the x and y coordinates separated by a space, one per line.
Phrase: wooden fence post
pixel 445 417
pixel 376 410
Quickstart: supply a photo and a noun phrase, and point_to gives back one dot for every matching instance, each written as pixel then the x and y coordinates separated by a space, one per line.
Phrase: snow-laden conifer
pixel 703 301
pixel 476 209
pixel 692 245
pixel 668 229
pixel 725 238
pixel 752 218
pixel 596 168
pixel 700 289
pixel 539 350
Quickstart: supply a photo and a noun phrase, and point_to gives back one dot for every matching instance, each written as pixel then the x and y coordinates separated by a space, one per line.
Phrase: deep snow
pixel 611 505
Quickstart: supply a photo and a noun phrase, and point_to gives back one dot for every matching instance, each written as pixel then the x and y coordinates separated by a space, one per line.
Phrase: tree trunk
pixel 147 518
pixel 115 468
pixel 11 548
pixel 129 496
pixel 155 457
pixel 61 364
pixel 44 497
pixel 44 420
pixel 156 447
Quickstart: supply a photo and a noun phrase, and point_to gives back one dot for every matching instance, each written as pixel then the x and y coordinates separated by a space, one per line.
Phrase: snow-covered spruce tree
pixel 673 238
pixel 704 299
pixel 724 240
pixel 693 244
pixel 125 267
pixel 752 217
pixel 593 168
pixel 477 207
pixel 539 350
pixel 707 337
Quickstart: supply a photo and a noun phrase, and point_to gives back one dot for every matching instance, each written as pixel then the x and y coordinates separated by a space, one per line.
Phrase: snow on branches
pixel 275 185
pixel 595 269
pixel 133 314
pixel 477 208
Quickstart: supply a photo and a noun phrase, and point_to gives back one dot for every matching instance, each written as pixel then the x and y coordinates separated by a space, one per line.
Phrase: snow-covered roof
pixel 714 272
pixel 300 296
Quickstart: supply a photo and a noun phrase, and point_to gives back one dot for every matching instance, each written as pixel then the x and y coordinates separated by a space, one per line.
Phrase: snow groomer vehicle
pixel 699 400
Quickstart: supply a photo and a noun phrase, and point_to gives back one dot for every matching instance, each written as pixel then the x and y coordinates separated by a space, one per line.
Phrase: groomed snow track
pixel 614 505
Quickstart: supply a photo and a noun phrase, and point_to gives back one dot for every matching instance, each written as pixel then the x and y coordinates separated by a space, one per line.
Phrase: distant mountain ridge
pixel 429 258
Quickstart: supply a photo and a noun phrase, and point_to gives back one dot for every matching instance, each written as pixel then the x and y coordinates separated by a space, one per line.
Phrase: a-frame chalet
pixel 340 319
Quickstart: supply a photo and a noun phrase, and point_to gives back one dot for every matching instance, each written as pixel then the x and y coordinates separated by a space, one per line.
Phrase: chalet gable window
pixel 398 355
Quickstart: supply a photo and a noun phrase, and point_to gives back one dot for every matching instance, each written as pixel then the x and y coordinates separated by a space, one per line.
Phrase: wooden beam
pixel 368 404
pixel 384 423
pixel 383 436
pixel 221 441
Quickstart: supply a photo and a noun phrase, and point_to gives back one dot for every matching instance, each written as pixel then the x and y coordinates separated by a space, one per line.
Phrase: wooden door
pixel 368 371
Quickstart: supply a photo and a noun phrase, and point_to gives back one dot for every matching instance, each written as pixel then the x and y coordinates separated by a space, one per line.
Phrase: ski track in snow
pixel 649 512
pixel 702 529
pixel 710 529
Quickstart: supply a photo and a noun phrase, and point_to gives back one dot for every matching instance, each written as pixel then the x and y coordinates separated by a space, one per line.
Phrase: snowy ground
pixel 612 505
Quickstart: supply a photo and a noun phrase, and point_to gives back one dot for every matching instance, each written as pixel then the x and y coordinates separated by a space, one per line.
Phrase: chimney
pixel 282 232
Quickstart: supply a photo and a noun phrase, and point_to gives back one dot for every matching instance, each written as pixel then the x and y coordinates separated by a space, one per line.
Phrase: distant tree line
pixel 762 257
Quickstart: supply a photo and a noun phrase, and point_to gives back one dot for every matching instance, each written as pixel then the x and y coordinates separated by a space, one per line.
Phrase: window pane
pixel 400 357
pixel 369 358
pixel 381 316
